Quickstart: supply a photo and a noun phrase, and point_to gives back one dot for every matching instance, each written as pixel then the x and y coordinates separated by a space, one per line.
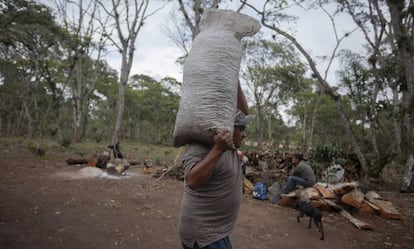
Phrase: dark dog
pixel 312 212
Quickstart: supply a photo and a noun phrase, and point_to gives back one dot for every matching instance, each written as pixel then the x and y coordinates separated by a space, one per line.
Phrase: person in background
pixel 213 182
pixel 243 160
pixel 302 174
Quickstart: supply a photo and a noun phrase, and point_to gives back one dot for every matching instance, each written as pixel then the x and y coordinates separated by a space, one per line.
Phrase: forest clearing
pixel 343 98
pixel 45 203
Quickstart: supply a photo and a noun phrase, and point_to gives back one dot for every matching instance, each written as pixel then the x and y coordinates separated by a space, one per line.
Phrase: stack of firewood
pixel 342 197
pixel 275 160
pixel 281 163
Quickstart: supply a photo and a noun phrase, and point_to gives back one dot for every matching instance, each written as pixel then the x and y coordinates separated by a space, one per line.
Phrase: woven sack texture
pixel 210 76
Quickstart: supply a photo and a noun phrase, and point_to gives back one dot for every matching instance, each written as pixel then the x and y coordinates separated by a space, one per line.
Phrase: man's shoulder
pixel 304 164
pixel 197 148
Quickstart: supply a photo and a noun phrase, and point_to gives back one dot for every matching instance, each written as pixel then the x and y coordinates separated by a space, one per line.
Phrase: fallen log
pixel 358 223
pixel 70 161
pixel 176 163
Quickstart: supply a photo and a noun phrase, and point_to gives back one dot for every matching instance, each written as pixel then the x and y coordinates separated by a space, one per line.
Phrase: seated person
pixel 302 174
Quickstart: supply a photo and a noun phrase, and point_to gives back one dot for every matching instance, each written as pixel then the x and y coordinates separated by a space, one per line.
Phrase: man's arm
pixel 202 171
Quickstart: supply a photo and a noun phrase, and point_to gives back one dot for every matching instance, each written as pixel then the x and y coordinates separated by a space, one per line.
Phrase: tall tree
pixel 78 18
pixel 274 73
pixel 270 13
pixel 128 18
pixel 402 24
pixel 29 39
pixel 388 28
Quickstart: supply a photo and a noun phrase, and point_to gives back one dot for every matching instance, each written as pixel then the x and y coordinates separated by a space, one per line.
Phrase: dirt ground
pixel 49 204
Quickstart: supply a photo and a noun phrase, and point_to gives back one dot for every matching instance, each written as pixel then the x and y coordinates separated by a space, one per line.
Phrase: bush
pixel 323 156
pixel 66 141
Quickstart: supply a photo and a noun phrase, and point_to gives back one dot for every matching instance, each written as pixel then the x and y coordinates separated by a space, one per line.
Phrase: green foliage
pixel 323 156
pixel 326 153
pixel 66 141
pixel 36 149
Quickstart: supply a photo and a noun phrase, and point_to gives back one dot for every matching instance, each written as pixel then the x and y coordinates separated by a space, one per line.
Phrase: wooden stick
pixel 358 223
pixel 179 153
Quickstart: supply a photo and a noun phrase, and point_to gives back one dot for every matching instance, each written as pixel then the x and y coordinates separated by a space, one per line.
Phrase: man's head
pixel 297 158
pixel 242 119
pixel 240 122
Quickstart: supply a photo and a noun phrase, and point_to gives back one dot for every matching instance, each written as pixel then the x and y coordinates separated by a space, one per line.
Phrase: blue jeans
pixel 224 243
pixel 292 181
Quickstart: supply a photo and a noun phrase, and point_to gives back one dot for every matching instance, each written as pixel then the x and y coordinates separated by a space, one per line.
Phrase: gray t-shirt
pixel 209 213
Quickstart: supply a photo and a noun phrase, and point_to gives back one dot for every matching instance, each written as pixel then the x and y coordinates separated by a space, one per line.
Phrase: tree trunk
pixel 29 120
pixel 120 104
pixel 76 101
pixel 404 41
pixel 135 18
pixel 407 179
pixel 304 128
pixel 396 123
pixel 312 126
pixel 327 89
pixel 351 136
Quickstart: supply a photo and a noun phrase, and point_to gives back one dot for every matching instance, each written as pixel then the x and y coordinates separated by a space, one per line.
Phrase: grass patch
pixel 131 150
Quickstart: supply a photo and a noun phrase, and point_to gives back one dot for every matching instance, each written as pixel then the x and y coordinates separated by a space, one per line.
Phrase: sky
pixel 156 55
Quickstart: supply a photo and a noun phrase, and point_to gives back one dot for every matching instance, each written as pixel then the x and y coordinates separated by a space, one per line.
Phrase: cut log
pixel 70 161
pixel 365 208
pixel 353 198
pixel 287 201
pixel 93 161
pixel 372 195
pixel 320 204
pixel 388 210
pixel 247 186
pixel 372 205
pixel 343 188
pixel 358 223
pixel 385 207
pixel 117 170
pixel 310 194
pixel 325 192
pixel 332 204
pixel 134 162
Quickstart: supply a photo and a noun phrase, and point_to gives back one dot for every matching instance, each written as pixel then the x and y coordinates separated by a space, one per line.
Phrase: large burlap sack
pixel 210 76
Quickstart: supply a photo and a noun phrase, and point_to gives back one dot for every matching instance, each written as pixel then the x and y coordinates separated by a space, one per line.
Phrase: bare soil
pixel 45 203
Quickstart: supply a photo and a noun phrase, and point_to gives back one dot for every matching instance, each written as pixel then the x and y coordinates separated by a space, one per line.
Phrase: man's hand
pixel 223 140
